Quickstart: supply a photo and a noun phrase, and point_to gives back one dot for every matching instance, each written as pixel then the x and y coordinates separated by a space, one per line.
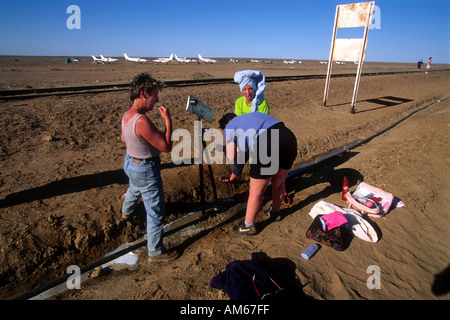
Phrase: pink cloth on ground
pixel 334 219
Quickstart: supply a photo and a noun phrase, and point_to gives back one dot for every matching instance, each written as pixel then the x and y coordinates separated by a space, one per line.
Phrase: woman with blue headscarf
pixel 252 84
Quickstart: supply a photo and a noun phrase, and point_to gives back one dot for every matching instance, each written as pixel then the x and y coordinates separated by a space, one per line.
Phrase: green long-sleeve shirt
pixel 241 107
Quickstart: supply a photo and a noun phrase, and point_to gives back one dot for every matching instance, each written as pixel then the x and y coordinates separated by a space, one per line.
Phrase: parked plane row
pixel 184 60
pixel 200 59
pixel 172 57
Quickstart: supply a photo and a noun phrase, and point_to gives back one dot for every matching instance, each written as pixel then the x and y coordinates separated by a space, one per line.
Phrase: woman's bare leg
pixel 257 189
pixel 278 188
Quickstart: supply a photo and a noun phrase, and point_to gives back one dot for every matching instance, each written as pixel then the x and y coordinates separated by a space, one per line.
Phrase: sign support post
pixel 202 111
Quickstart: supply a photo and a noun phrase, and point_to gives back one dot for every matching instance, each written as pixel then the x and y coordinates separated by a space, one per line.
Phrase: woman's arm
pixel 231 150
pixel 147 130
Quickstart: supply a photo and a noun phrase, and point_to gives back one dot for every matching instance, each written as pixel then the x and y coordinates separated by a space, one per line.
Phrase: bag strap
pixel 353 203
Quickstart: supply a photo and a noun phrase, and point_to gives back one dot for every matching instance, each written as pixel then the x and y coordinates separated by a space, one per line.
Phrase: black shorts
pixel 268 159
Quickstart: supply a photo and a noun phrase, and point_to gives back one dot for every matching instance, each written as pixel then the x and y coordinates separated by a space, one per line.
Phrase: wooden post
pixel 200 168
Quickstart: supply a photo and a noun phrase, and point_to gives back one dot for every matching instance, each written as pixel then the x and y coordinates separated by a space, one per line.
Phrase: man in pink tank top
pixel 142 163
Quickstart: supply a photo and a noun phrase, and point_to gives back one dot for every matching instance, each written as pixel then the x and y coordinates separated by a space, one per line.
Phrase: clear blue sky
pixel 289 29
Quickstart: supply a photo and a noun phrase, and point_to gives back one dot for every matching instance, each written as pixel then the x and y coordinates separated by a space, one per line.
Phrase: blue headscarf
pixel 256 80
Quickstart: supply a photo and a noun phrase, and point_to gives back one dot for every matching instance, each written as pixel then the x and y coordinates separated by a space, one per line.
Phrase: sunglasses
pixel 270 294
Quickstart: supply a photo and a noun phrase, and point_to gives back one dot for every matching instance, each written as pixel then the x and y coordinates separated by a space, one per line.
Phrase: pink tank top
pixel 137 147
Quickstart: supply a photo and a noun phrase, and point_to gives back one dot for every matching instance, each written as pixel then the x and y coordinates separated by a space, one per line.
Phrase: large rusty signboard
pixel 350 16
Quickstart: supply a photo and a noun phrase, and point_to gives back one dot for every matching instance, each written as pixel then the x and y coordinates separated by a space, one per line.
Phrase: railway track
pixel 23 94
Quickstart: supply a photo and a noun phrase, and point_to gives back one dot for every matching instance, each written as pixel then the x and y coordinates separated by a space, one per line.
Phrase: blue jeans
pixel 145 180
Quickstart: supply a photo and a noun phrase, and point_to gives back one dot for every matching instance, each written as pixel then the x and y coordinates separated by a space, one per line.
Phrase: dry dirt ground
pixel 61 179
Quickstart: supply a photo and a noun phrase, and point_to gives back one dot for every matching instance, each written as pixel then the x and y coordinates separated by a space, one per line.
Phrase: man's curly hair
pixel 143 81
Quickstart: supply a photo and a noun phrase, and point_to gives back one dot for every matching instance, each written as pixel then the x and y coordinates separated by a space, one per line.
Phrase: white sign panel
pixel 347 49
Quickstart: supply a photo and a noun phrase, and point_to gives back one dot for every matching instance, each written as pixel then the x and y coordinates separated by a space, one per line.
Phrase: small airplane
pixel 97 60
pixel 164 60
pixel 139 60
pixel 207 60
pixel 180 60
pixel 289 62
pixel 108 60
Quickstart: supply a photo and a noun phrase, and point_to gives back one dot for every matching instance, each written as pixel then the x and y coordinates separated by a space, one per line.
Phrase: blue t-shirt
pixel 244 129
